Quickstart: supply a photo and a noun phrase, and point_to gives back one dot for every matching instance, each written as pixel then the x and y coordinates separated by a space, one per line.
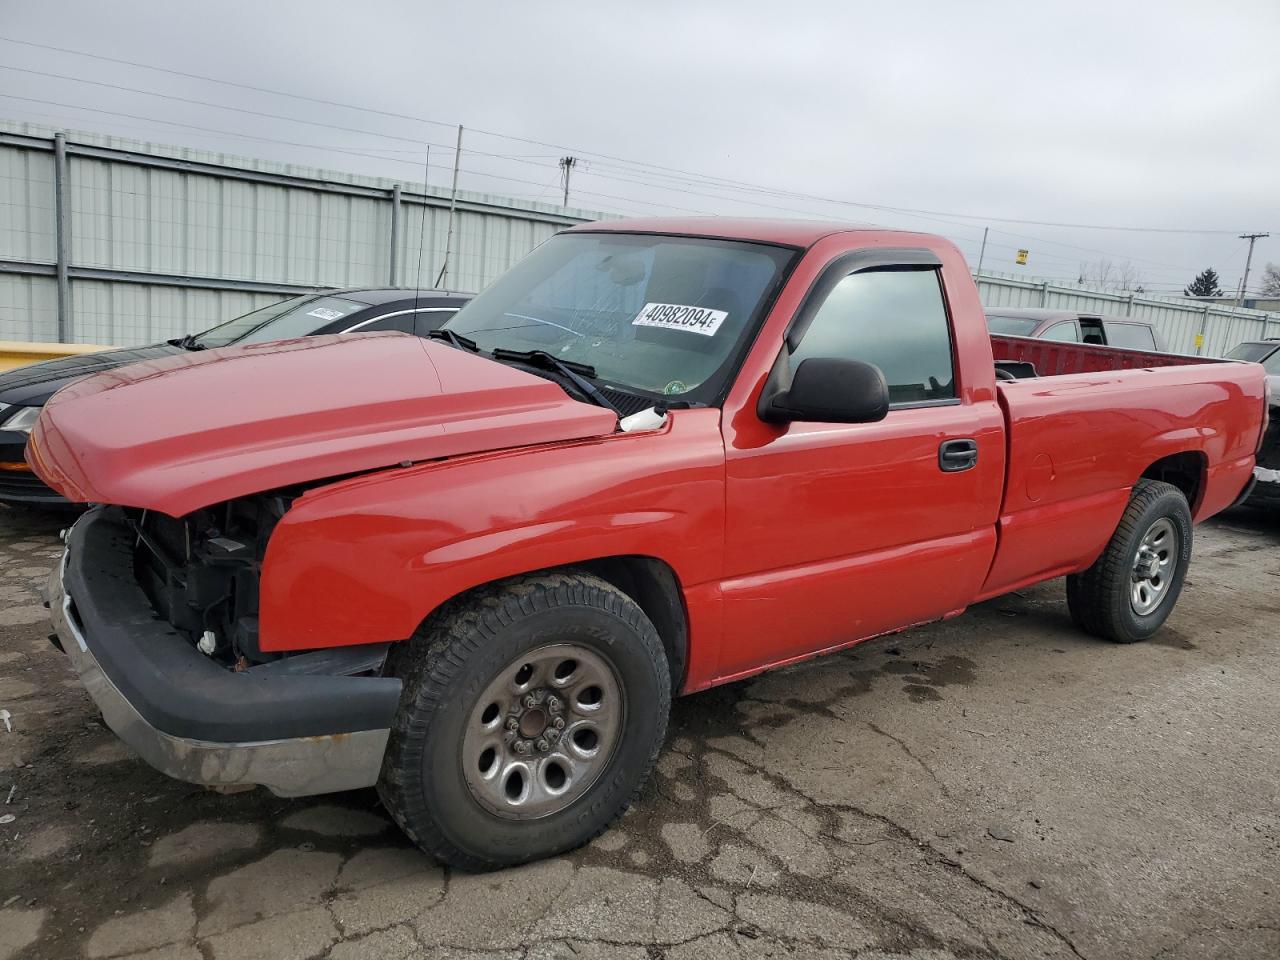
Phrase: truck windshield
pixel 295 317
pixel 656 315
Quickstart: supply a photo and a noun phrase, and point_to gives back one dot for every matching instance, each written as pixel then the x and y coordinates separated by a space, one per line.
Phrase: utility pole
pixel 1248 260
pixel 981 253
pixel 453 203
pixel 566 168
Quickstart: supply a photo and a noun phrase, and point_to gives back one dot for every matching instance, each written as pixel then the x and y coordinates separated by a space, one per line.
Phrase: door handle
pixel 957 455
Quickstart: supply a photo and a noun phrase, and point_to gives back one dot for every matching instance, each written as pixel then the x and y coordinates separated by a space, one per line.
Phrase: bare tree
pixel 1270 281
pixel 1113 277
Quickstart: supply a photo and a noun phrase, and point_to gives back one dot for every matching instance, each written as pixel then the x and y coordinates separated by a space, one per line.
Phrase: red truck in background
pixel 653 457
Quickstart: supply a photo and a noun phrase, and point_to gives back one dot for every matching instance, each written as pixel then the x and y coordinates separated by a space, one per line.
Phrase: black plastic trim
pixel 918 404
pixel 177 689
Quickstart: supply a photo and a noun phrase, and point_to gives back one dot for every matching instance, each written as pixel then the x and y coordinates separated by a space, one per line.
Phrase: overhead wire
pixel 979 218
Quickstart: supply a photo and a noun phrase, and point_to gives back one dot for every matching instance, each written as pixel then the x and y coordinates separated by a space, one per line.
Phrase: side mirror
pixel 830 390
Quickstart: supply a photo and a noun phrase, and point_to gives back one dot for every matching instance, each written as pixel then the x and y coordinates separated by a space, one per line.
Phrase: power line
pixel 725 181
pixel 607 196
pixel 351 153
pixel 216 106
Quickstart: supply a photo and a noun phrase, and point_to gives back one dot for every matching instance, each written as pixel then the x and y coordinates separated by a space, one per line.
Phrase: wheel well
pixel 649 582
pixel 655 588
pixel 1185 471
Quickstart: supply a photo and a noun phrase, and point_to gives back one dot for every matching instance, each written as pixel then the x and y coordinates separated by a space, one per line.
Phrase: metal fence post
pixel 395 231
pixel 1044 293
pixel 1204 325
pixel 1128 310
pixel 62 235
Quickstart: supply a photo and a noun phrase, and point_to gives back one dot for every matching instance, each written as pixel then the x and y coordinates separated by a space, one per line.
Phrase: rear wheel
pixel 1131 589
pixel 533 712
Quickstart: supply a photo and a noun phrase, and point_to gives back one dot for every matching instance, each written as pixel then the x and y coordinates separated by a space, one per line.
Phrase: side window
pixel 1092 329
pixel 1065 331
pixel 428 320
pixel 402 322
pixel 1133 336
pixel 894 319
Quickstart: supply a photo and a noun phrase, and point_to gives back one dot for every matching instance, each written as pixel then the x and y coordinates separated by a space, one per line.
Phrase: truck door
pixel 838 532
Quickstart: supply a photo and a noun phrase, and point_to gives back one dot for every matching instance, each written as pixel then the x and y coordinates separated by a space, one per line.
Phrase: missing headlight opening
pixel 201 572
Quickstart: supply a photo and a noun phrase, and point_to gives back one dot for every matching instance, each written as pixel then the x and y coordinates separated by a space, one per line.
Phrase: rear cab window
pixel 895 319
pixel 1130 336
pixel 1066 332
pixel 1007 326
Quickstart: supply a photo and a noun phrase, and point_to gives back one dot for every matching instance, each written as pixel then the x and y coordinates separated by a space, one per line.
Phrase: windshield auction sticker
pixel 674 316
pixel 324 313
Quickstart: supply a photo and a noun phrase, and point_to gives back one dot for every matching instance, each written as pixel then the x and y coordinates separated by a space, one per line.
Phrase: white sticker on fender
pixel 324 313
pixel 675 316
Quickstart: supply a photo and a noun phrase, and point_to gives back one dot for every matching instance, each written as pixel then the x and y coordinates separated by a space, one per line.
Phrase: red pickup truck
pixel 653 457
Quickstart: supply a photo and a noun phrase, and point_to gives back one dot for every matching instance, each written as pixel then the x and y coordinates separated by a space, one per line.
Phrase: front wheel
pixel 1131 589
pixel 533 712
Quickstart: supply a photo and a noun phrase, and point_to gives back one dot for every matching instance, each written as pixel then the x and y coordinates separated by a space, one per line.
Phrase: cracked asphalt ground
pixel 994 786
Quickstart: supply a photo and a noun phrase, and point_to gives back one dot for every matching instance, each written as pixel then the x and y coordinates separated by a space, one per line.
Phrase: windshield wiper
pixel 576 373
pixel 454 339
pixel 187 342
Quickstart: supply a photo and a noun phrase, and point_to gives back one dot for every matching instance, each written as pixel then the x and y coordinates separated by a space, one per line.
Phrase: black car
pixel 24 391
pixel 1266 491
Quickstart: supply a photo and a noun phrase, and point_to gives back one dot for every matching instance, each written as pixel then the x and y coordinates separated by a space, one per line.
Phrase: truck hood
pixel 178 433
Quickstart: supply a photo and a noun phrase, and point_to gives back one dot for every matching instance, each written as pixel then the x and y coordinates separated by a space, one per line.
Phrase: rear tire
pixel 494 674
pixel 1131 589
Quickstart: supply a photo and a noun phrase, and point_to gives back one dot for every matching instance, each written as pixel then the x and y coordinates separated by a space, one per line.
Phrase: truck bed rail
pixel 1053 358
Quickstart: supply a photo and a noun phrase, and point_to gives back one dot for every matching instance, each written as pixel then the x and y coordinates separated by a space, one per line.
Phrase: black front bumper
pixel 23 486
pixel 187 715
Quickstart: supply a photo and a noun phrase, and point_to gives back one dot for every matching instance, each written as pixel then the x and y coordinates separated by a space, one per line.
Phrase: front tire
pixel 1131 589
pixel 533 711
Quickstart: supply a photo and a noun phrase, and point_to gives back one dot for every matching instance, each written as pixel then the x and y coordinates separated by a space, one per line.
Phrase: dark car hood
pixel 32 385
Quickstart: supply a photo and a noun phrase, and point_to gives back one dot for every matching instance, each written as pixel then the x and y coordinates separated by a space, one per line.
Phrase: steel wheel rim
pixel 517 761
pixel 1154 564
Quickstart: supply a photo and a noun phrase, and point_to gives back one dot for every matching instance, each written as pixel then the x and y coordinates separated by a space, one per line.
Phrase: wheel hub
pixel 542 731
pixel 535 723
pixel 1154 564
pixel 1148 562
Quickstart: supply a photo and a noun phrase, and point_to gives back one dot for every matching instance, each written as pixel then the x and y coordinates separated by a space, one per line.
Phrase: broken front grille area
pixel 201 572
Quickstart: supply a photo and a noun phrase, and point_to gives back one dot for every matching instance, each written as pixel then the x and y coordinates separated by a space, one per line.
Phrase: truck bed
pixel 1092 420
pixel 1052 358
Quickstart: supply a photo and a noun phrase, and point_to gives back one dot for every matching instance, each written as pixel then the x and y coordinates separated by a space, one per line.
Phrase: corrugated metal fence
pixel 159 241
pixel 116 242
pixel 1179 321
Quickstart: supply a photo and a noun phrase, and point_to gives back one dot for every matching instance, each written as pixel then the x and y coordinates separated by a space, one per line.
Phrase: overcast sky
pixel 1158 114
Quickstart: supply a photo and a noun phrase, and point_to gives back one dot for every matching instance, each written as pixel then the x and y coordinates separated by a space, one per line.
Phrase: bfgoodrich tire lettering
pixel 454 660
pixel 1101 599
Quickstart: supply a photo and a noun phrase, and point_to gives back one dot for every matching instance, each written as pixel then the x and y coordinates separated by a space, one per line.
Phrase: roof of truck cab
pixel 1049 313
pixel 791 233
